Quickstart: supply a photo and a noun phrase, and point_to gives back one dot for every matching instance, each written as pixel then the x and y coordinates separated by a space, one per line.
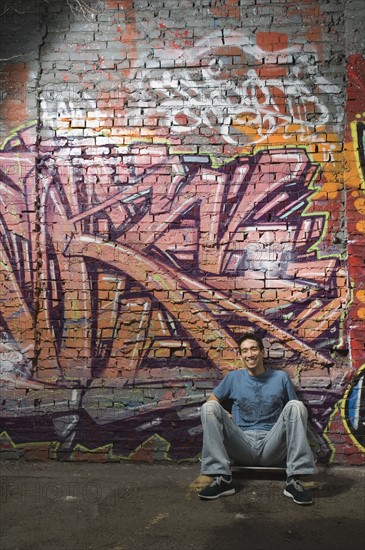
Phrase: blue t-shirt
pixel 257 400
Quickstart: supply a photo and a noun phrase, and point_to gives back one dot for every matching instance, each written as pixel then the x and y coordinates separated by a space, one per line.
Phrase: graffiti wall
pixel 173 176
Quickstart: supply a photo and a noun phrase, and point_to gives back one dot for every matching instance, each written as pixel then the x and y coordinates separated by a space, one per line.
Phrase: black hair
pixel 250 336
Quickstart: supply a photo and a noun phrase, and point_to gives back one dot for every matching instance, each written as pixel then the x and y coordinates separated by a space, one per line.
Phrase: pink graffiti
pixel 147 264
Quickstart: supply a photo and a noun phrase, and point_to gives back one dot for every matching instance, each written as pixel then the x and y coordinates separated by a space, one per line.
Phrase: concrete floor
pixel 129 506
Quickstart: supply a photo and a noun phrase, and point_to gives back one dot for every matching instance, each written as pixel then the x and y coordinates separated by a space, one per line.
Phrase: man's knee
pixel 211 409
pixel 295 410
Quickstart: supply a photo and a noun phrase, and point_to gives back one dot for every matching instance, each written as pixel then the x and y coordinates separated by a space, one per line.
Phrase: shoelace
pixel 297 484
pixel 218 479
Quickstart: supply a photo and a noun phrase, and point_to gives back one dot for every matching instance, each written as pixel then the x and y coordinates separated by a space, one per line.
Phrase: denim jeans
pixel 224 441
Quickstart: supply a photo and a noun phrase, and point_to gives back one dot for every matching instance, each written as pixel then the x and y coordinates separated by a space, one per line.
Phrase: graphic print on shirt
pixel 259 408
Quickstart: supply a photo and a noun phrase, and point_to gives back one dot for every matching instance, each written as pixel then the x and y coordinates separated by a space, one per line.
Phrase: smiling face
pixel 252 357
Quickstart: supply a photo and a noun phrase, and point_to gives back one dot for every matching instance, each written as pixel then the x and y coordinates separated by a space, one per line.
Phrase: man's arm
pixel 290 389
pixel 223 389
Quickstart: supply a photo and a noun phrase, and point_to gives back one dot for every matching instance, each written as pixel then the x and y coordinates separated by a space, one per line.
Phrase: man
pixel 267 425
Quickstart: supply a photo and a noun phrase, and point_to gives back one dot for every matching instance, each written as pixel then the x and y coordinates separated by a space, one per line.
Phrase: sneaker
pixel 295 490
pixel 220 487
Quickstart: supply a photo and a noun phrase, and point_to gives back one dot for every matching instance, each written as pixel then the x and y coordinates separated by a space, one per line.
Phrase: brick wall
pixel 174 173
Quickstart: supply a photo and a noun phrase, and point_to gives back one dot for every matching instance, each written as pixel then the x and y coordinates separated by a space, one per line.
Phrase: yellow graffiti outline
pixel 355 150
pixel 340 407
pixel 114 457
pixel 15 131
pixel 108 448
pixel 325 436
pixel 27 445
pixel 5 435
pixel 151 438
pixel 326 215
pixel 343 406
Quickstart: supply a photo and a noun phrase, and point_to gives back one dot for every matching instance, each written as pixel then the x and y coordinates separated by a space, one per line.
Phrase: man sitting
pixel 268 424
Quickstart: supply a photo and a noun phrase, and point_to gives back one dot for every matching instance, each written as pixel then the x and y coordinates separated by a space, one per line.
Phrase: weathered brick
pixel 185 185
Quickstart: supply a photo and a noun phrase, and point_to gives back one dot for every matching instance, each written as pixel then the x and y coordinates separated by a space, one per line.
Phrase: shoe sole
pixel 296 501
pixel 225 494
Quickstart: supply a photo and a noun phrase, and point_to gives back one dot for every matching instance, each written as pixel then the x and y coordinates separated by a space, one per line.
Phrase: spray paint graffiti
pixel 149 269
pixel 240 94
pixel 347 420
pixel 355 409
pixel 257 105
pixel 210 209
pixel 129 269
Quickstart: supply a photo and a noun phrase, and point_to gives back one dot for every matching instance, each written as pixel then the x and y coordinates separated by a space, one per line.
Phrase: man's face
pixel 252 357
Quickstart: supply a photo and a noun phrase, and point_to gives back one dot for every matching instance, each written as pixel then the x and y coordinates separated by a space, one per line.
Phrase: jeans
pixel 224 441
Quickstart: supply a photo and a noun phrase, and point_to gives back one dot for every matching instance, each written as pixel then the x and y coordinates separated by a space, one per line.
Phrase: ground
pixel 130 506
